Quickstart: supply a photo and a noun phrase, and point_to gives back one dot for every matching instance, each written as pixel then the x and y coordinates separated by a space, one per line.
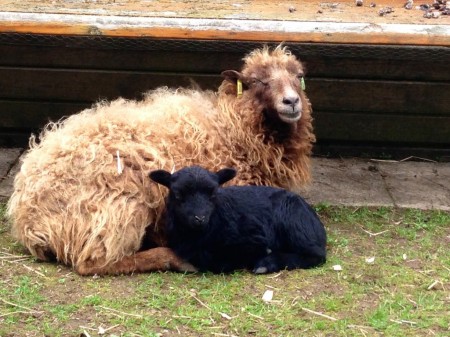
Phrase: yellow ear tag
pixel 239 88
pixel 303 83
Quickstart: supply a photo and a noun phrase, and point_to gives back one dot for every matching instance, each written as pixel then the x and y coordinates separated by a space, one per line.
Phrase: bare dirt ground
pixel 309 10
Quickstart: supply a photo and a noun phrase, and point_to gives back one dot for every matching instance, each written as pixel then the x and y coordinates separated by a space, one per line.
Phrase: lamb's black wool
pixel 221 229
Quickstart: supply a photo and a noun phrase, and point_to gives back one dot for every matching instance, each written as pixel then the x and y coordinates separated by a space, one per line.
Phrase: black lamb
pixel 221 229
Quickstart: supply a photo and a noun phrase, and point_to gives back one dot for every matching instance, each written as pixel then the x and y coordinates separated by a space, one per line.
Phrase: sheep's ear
pixel 233 76
pixel 161 177
pixel 225 175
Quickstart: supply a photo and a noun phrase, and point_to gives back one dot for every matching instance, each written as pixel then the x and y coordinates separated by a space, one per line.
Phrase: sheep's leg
pixel 160 258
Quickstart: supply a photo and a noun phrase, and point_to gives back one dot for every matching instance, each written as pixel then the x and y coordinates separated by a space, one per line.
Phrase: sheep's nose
pixel 200 219
pixel 291 100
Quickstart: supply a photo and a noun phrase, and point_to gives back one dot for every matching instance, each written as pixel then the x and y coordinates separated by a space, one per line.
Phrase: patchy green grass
pixel 395 281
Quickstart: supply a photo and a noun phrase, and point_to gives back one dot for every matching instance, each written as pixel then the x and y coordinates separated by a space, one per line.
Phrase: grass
pixel 403 292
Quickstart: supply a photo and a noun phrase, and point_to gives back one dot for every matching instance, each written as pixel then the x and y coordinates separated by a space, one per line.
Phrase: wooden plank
pixel 376 69
pixel 89 85
pixel 326 94
pixel 363 127
pixel 408 97
pixel 118 59
pixel 337 66
pixel 30 115
pixel 227 29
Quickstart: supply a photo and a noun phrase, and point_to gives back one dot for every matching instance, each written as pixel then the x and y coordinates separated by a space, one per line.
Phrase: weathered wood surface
pixel 254 20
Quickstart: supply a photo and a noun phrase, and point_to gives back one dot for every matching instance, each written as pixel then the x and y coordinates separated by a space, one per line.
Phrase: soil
pixel 308 10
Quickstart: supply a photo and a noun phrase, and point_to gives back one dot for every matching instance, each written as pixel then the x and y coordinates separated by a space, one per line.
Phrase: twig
pixel 198 300
pixel 21 307
pixel 401 160
pixel 374 234
pixel 414 157
pixel 10 256
pixel 86 334
pixel 319 314
pixel 356 210
pixel 21 312
pixel 256 316
pixel 16 261
pixel 33 270
pixel 102 331
pixel 432 285
pixel 402 321
pixel 359 326
pixel 120 312
pixel 384 160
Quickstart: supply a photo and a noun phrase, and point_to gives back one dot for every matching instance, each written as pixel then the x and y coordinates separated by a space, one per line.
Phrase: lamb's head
pixel 192 193
pixel 274 79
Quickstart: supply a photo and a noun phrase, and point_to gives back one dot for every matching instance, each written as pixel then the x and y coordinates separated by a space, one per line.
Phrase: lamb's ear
pixel 225 175
pixel 161 177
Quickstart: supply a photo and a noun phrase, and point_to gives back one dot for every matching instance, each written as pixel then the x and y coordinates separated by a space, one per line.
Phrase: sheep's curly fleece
pixel 70 200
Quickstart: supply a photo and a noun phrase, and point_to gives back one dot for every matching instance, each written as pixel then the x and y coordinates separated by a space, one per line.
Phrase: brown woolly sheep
pixel 83 195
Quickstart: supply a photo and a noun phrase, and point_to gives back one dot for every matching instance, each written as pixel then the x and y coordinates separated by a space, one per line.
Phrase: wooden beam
pixel 226 29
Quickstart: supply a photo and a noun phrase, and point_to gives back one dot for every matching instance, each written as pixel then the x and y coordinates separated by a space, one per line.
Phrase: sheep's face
pixel 274 80
pixel 192 194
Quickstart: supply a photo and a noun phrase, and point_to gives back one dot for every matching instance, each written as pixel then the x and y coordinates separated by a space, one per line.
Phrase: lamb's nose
pixel 291 100
pixel 200 218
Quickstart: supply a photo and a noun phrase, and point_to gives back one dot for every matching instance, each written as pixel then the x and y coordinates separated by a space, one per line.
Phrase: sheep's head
pixel 274 79
pixel 192 193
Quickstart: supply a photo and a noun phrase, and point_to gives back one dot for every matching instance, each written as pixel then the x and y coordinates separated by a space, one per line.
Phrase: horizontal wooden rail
pixel 227 29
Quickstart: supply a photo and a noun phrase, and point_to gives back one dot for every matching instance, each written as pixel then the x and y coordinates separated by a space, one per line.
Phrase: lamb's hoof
pixel 266 265
pixel 260 270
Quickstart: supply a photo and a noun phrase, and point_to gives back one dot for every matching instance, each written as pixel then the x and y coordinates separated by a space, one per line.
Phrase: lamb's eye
pixel 177 196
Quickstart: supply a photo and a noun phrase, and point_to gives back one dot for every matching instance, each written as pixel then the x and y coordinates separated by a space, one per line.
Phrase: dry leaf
pixel 225 315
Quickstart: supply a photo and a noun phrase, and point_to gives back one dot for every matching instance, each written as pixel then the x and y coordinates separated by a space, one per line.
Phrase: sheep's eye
pixel 177 196
pixel 258 81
